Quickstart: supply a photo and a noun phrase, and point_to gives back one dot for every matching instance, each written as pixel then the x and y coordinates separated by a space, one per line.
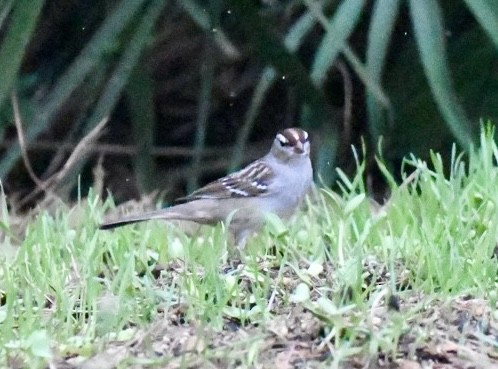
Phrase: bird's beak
pixel 299 148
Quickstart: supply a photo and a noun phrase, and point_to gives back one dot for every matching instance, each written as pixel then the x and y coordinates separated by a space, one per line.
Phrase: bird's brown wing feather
pixel 251 181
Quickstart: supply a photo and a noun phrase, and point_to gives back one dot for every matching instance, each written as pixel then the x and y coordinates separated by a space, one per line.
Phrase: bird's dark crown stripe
pixel 294 135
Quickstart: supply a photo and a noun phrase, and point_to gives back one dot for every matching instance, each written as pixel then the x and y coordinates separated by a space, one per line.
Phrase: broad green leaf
pixel 266 80
pixel 140 90
pixel 325 159
pixel 75 74
pixel 120 76
pixel 201 17
pixel 429 33
pixel 351 58
pixel 340 26
pixel 299 31
pixel 480 92
pixel 301 293
pixel 292 41
pixel 198 14
pixel 382 23
pixel 22 24
pixel 486 12
pixel 373 87
pixel 275 225
pixel 327 306
pixel 5 9
pixel 271 51
pixel 176 249
pixel 39 344
pixel 131 55
pixel 315 269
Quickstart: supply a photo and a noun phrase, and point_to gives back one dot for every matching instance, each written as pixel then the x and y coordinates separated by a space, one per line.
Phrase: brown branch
pixel 79 152
pixel 40 185
pixel 22 143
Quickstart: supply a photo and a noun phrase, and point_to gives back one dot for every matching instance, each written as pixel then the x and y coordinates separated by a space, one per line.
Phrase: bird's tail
pixel 164 214
pixel 178 212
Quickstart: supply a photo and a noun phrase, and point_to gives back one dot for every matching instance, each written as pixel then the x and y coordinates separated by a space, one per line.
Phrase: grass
pixel 345 284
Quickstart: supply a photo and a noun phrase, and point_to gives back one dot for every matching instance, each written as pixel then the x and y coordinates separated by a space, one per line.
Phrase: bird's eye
pixel 282 140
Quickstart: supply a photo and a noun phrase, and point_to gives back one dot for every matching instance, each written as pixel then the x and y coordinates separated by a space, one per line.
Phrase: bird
pixel 276 183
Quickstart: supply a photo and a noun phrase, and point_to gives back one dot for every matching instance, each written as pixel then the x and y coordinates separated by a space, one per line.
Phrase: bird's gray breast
pixel 288 190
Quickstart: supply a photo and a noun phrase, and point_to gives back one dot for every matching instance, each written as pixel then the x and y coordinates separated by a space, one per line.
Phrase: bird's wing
pixel 250 181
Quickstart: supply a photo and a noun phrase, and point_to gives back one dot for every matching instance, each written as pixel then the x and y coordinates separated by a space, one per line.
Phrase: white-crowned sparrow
pixel 276 183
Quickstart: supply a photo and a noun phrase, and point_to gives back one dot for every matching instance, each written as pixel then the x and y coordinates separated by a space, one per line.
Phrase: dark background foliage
pixel 196 88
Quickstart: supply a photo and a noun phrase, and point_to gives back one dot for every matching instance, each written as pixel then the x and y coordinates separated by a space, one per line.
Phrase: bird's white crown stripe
pixel 282 138
pixel 294 133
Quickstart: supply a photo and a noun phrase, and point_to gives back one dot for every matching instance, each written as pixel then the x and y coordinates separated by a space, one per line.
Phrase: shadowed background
pixel 197 88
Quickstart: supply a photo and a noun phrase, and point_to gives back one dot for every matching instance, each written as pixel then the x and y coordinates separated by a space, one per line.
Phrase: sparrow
pixel 276 183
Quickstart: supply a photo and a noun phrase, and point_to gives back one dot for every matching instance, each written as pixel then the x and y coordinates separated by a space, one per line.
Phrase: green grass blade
pixel 429 33
pixel 339 28
pixel 382 23
pixel 90 56
pixel 22 24
pixel 486 12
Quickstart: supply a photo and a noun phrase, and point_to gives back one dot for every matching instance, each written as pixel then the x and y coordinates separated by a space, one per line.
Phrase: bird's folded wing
pixel 251 181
